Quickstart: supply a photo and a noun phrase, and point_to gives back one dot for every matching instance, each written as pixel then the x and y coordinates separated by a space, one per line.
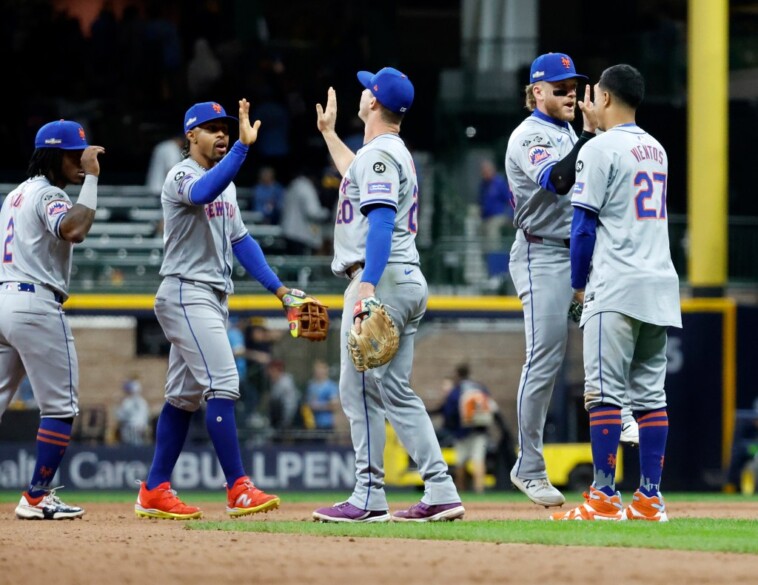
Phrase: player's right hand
pixel 326 119
pixel 89 162
pixel 248 133
pixel 588 111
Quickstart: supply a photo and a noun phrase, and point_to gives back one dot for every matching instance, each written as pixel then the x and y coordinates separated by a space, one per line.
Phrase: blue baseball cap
pixel 204 112
pixel 553 67
pixel 63 134
pixel 390 87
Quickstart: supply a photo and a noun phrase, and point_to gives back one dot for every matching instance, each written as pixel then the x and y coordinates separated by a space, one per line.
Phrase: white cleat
pixel 540 491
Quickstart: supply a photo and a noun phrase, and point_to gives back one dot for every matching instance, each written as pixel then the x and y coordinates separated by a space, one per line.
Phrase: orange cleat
pixel 162 502
pixel 596 506
pixel 652 509
pixel 244 498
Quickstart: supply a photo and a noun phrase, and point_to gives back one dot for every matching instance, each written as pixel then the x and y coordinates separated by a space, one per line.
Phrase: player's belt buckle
pixel 354 269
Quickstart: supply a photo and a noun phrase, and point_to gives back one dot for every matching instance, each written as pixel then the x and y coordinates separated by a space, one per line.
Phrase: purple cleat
pixel 422 512
pixel 346 512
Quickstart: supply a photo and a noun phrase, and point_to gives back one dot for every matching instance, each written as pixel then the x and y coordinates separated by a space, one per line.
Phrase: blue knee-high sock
pixel 170 434
pixel 53 437
pixel 605 432
pixel 219 418
pixel 654 429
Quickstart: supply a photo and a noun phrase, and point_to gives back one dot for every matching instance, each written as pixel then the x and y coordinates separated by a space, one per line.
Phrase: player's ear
pixel 191 136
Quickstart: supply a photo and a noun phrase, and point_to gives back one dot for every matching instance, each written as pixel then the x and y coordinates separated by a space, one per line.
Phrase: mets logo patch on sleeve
pixel 57 207
pixel 379 188
pixel 538 154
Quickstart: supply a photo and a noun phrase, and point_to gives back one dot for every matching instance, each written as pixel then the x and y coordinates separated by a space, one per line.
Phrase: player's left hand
pixel 248 133
pixel 306 315
pixel 588 111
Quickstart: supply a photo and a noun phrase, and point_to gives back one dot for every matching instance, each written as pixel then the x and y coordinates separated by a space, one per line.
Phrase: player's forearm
pixel 340 153
pixel 381 222
pixel 248 252
pixel 583 226
pixel 213 183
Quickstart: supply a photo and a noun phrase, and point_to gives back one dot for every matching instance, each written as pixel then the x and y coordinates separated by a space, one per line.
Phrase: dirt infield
pixel 111 546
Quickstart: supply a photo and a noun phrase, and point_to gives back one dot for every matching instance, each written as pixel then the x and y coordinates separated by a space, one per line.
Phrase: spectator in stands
pixel 237 341
pixel 165 155
pixel 203 71
pixel 494 204
pixel 284 400
pixel 133 414
pixel 322 395
pixel 268 196
pixel 468 412
pixel 259 341
pixel 302 216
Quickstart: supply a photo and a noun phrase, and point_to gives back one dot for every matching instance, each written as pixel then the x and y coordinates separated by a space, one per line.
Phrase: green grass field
pixel 696 534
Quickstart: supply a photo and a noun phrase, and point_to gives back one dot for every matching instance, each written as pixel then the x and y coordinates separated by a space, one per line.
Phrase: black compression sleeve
pixel 563 173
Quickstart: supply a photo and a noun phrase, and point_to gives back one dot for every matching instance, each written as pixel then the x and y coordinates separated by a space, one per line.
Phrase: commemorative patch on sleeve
pixel 538 155
pixel 379 188
pixel 57 207
pixel 54 195
pixel 379 167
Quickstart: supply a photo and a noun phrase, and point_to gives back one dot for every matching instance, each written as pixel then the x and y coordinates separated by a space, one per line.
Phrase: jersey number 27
pixel 650 200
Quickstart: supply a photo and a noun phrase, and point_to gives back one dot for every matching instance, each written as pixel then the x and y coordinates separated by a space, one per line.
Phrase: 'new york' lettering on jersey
pixel 377 176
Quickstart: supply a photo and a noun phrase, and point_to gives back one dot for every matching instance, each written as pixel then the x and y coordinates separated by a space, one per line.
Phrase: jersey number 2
pixel 7 251
pixel 650 191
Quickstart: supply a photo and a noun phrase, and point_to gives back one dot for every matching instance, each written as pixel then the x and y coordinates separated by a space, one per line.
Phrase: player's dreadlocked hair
pixel 47 162
pixel 186 148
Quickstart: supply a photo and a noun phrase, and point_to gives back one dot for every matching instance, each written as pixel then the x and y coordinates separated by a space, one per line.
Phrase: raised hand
pixel 588 111
pixel 327 118
pixel 89 162
pixel 248 133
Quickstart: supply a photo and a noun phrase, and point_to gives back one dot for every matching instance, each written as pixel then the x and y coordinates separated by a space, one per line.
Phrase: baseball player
pixel 202 232
pixel 374 248
pixel 40 226
pixel 620 228
pixel 539 163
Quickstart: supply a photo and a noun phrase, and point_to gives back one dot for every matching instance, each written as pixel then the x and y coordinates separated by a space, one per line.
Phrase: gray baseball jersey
pixel 35 337
pixel 621 176
pixel 533 148
pixel 541 273
pixel 192 301
pixel 383 172
pixel 198 238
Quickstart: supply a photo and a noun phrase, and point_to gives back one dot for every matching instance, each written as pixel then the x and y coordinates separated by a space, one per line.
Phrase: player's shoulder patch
pixel 379 167
pixel 578 187
pixel 579 166
pixel 179 176
pixel 56 207
pixel 539 154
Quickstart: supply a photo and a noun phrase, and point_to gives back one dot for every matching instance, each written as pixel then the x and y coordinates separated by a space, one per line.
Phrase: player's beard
pixel 555 109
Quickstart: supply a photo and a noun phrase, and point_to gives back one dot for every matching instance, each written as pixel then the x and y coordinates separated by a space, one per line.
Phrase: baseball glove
pixel 306 315
pixel 378 340
pixel 575 311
